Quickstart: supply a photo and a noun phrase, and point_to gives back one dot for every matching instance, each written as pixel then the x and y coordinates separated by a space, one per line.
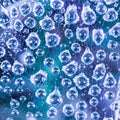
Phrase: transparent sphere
pixel 109 95
pixel 101 8
pixel 4 79
pixel 114 56
pixel 18 25
pixel 52 112
pixel 5 65
pixel 31 105
pixel 82 105
pixel 22 98
pixel 65 56
pixel 19 81
pixel 30 22
pixel 14 103
pixel 94 90
pixel 94 102
pixel 48 61
pixel 112 44
pixel 40 93
pixel 56 4
pixel 58 18
pixel 15 112
pixel 80 115
pixel 68 33
pixel 72 93
pixel 68 110
pixel 66 82
pixel 29 60
pixel 38 114
pixel 12 43
pixel 25 8
pixel 101 54
pixel 38 9
pixel 47 23
pixel 14 12
pixel 56 70
pixel 75 47
pixel 40 52
pixel 8 90
pixel 95 115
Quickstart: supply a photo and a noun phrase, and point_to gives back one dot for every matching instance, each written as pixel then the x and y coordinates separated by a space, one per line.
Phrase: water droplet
pixel 22 98
pixel 48 61
pixel 40 93
pixel 38 9
pixel 94 90
pixel 71 15
pixel 109 95
pixel 31 105
pixel 81 105
pixel 33 41
pixel 52 39
pixel 87 57
pixel 56 4
pixel 115 30
pixel 58 18
pixel 47 23
pixel 101 8
pixel 110 15
pixel 55 70
pixel 12 43
pixel 66 82
pixel 82 34
pixel 38 114
pixel 5 65
pixel 114 56
pixel 15 112
pixel 17 68
pixel 38 78
pixel 95 115
pixel 114 106
pixel 70 69
pixel 30 22
pixel 68 110
pixel 14 12
pixel 88 16
pixel 98 36
pixel 101 55
pixel 52 112
pixel 80 115
pixel 109 81
pixel 65 56
pixel 14 103
pixel 29 59
pixel 76 48
pixel 112 44
pixel 81 81
pixel 68 33
pixel 20 81
pixel 99 71
pixel 55 97
pixel 25 8
pixel 18 25
pixel 93 101
pixel 72 93
pixel 4 79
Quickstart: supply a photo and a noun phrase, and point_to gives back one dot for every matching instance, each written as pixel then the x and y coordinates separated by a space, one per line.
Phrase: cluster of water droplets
pixel 63 55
